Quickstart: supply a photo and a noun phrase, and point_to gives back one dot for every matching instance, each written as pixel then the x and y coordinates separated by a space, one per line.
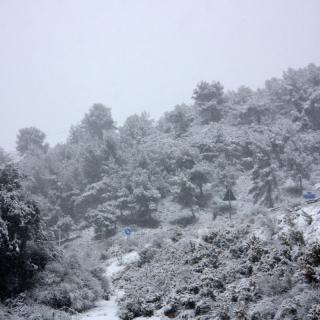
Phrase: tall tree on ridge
pixel 209 97
pixel 31 140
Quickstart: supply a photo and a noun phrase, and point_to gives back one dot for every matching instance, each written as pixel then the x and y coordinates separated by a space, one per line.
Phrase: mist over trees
pixel 31 140
pixel 107 176
pixel 122 172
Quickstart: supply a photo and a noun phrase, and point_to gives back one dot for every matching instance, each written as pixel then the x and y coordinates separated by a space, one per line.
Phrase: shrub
pixel 314 312
pixel 312 255
pixel 66 284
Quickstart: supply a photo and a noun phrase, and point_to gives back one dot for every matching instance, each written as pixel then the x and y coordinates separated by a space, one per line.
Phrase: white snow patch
pixel 305 220
pixel 317 186
pixel 311 231
pixel 113 268
pixel 261 233
pixel 107 309
pixel 115 265
pixel 202 232
pixel 130 257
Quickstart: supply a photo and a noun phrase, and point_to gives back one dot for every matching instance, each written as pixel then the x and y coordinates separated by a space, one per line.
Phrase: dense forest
pixel 171 175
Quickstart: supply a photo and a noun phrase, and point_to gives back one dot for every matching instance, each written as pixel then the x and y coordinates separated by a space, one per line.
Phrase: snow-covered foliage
pixel 225 275
pixel 22 247
pixel 65 284
pixel 264 144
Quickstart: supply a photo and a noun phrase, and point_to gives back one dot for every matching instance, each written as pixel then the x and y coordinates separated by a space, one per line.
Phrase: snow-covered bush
pixel 226 275
pixel 66 284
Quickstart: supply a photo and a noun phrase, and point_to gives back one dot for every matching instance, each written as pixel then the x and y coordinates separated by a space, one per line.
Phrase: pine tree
pixel 298 162
pixel 104 219
pixel 144 196
pixel 98 121
pixel 135 129
pixel 209 98
pixel 123 202
pixel 186 194
pixel 31 140
pixel 265 184
pixel 21 239
pixel 199 175
pixel 180 119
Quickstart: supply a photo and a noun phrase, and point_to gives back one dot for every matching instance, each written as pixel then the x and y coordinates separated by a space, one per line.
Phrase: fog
pixel 187 183
pixel 57 58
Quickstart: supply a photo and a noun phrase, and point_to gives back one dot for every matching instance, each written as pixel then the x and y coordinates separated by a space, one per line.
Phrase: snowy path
pixel 104 310
pixel 107 310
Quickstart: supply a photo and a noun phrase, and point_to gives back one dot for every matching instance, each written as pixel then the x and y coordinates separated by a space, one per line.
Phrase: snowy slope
pixel 305 219
pixel 308 222
pixel 108 310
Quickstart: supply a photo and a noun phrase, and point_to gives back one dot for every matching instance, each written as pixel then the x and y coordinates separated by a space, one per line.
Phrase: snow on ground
pixel 305 219
pixel 317 186
pixel 107 310
pixel 117 264
pixel 308 222
pixel 151 318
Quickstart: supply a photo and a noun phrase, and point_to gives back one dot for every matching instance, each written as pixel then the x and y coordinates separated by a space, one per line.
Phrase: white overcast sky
pixel 58 57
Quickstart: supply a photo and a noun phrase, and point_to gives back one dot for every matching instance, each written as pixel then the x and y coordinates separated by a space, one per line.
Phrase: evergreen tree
pixel 209 98
pixel 124 201
pixel 265 182
pixel 312 109
pixel 297 162
pixel 199 176
pixel 98 121
pixel 180 119
pixel 22 252
pixel 186 194
pixel 104 219
pixel 258 109
pixel 135 129
pixel 30 140
pixel 241 96
pixel 145 197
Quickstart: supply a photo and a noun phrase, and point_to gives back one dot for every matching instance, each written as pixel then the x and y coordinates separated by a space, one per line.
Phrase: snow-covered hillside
pixel 108 309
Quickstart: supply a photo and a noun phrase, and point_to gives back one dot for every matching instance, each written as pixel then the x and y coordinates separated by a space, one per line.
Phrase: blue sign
pixel 127 231
pixel 309 195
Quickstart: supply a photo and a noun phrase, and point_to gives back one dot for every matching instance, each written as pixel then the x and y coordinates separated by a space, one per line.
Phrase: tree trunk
pixel 269 195
pixel 201 191
pixel 214 215
pixel 300 184
pixel 192 211
pixel 259 117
